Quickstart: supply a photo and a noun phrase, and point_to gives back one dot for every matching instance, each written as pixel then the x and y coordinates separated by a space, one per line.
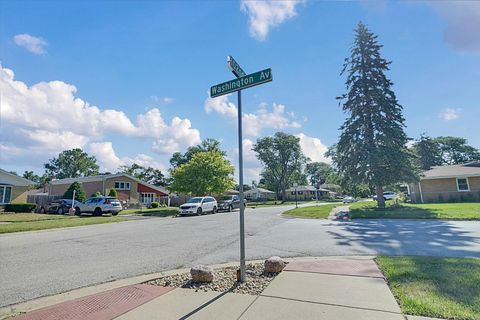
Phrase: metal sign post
pixel 243 81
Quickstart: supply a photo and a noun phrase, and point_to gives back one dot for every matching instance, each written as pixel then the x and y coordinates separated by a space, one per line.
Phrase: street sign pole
pixel 241 82
pixel 240 179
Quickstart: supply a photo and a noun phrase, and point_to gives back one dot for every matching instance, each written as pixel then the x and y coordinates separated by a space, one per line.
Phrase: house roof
pixel 302 188
pixel 104 177
pixel 261 190
pixel 471 169
pixel 12 179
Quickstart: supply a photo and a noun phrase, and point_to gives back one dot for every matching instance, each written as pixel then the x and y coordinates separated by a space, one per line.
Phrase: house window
pixel 121 185
pixel 462 184
pixel 293 193
pixel 5 194
pixel 300 192
pixel 147 198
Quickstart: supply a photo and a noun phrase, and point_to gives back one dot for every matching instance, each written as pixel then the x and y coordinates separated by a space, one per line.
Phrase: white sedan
pixel 348 199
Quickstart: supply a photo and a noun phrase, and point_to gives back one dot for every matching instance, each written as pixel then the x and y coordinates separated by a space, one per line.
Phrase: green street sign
pixel 235 67
pixel 241 83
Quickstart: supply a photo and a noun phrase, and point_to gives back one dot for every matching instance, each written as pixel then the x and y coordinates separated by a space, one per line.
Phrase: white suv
pixel 99 206
pixel 199 205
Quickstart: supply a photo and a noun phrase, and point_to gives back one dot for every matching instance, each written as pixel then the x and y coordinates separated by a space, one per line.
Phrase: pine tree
pixel 372 146
pixel 428 152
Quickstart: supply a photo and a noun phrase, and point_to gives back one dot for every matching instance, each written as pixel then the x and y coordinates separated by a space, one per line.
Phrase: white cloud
pixel 222 106
pixel 463 23
pixel 33 44
pixel 313 148
pixel 257 121
pixel 109 161
pixel 168 100
pixel 449 114
pixel 266 14
pixel 47 118
pixel 262 118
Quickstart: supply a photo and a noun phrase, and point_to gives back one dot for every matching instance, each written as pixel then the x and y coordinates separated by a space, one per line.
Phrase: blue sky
pixel 127 81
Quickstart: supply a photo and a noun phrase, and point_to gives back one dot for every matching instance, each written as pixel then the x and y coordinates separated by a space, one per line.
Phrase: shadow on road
pixel 410 237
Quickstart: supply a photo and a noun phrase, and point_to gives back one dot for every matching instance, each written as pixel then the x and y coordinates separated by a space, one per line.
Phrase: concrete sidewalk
pixel 322 288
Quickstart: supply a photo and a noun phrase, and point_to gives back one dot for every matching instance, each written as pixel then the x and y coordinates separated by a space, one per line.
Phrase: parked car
pixel 99 206
pixel 348 199
pixel 198 206
pixel 229 203
pixel 387 195
pixel 60 206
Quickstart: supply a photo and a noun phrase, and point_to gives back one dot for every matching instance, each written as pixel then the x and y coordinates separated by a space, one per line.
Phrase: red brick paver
pixel 100 306
pixel 360 268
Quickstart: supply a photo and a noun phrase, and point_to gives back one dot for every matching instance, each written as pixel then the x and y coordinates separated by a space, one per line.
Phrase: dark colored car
pixel 60 206
pixel 229 203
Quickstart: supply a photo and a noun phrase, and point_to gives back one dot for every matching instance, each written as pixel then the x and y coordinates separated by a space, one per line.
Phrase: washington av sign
pixel 243 81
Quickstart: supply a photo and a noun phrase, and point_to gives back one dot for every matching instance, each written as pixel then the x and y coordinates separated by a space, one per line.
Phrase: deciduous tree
pixel 72 164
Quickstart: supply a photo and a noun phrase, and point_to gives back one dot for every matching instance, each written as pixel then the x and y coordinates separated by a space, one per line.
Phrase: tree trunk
pixel 380 199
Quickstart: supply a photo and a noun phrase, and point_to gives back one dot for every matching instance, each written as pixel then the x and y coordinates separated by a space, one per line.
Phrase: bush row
pixel 20 207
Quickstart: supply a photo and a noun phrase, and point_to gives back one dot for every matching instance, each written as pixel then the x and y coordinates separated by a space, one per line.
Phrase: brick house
pixel 459 182
pixel 305 193
pixel 13 188
pixel 128 188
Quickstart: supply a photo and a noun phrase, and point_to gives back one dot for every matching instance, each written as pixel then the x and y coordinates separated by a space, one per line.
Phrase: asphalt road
pixel 35 264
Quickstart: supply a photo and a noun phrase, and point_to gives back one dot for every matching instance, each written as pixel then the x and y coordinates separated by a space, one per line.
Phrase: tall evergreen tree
pixel 372 146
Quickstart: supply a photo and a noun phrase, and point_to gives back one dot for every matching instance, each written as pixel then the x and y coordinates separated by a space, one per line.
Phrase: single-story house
pixel 305 193
pixel 128 188
pixel 459 182
pixel 259 194
pixel 13 188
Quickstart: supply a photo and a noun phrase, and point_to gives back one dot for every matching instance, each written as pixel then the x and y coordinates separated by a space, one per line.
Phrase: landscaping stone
pixel 274 264
pixel 225 279
pixel 201 273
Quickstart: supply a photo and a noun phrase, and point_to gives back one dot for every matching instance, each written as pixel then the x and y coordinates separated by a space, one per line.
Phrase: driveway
pixel 36 264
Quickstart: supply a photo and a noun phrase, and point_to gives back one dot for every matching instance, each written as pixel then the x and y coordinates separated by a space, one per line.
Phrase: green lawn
pixel 466 210
pixel 434 287
pixel 317 212
pixel 157 212
pixel 35 221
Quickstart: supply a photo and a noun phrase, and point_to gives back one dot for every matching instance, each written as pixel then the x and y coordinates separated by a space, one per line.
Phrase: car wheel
pixel 214 210
pixel 230 208
pixel 199 211
pixel 77 211
pixel 97 212
pixel 60 211
pixel 114 213
pixel 42 210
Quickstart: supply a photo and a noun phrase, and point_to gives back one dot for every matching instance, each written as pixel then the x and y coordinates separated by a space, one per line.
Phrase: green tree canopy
pixel 283 159
pixel 428 152
pixel 72 164
pixel 147 174
pixel 319 173
pixel 207 172
pixel 209 144
pixel 40 181
pixel 372 146
pixel 455 150
pixel 79 192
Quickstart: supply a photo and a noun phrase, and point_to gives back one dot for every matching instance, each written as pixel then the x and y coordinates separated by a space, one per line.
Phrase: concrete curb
pixel 43 302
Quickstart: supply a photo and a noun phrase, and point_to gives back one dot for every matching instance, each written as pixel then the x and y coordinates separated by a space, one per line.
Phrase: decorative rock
pixel 274 264
pixel 201 273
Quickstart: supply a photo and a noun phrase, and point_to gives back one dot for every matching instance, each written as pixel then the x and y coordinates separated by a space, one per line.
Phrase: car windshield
pixel 195 200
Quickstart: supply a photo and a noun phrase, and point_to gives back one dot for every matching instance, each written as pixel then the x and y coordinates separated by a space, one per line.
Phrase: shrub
pixel 20 207
pixel 79 192
pixel 113 193
pixel 155 204
pixel 163 205
pixel 96 194
pixel 452 199
pixel 466 197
